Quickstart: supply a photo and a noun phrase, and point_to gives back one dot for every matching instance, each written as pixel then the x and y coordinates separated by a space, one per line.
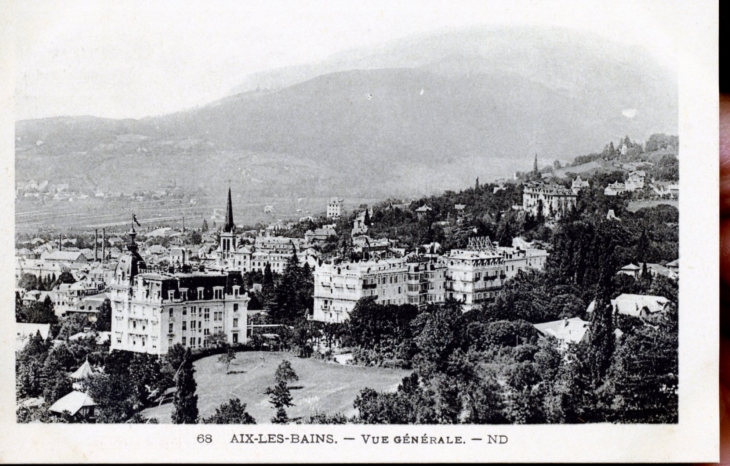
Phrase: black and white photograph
pixel 314 220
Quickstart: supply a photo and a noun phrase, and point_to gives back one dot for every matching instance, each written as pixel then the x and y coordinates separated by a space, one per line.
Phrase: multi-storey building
pixel 338 286
pixel 273 250
pixel 579 184
pixel 551 200
pixel 516 259
pixel 334 207
pixel 615 189
pixel 426 281
pixel 154 309
pixel 475 274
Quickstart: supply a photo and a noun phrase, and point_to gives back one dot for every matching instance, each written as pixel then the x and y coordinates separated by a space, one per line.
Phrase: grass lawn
pixel 637 205
pixel 322 387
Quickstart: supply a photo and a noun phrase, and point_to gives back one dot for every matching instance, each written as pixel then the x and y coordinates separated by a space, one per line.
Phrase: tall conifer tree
pixel 185 401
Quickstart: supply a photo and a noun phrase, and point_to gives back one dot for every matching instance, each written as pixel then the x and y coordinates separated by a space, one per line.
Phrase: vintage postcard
pixel 334 231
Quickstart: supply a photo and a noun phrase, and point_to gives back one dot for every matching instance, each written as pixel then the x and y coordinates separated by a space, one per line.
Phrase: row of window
pixel 196 325
pixel 199 342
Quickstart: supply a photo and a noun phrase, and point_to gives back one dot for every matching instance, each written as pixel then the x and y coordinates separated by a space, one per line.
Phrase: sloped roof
pixel 82 372
pixel 65 256
pixel 660 269
pixel 25 330
pixel 633 304
pixel 156 249
pixel 630 267
pixel 520 243
pixel 570 330
pixel 73 402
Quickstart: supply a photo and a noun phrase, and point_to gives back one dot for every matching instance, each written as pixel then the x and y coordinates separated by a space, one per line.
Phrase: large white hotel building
pixel 155 309
pixel 473 275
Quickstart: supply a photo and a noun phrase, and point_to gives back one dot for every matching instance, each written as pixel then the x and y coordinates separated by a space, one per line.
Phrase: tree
pixel 218 339
pixel 185 400
pixel 58 387
pixel 285 373
pixel 233 412
pixel 643 377
pixel 267 285
pixel 144 372
pixel 485 404
pixel 41 312
pixel 29 282
pixel 104 318
pixel 642 247
pixel 366 220
pixel 281 417
pixel 194 237
pixel 280 397
pixel 113 394
pixel 227 357
pixel 19 309
pixel 35 348
pixel 441 330
pixel 29 379
pixel 65 277
pixel 291 295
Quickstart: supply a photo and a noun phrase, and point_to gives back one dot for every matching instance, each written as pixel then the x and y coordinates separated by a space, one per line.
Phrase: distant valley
pixel 412 117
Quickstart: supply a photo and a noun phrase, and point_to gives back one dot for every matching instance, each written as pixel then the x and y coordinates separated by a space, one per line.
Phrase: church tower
pixel 534 166
pixel 228 235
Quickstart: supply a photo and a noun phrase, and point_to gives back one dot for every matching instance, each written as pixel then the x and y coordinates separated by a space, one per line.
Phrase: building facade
pixel 426 282
pixel 334 207
pixel 153 310
pixel 516 259
pixel 551 200
pixel 273 250
pixel 475 275
pixel 338 287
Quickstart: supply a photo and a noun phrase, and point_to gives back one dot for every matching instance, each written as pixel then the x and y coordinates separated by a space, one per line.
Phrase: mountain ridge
pixel 463 104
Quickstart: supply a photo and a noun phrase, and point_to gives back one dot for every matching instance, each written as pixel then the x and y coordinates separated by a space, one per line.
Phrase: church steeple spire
pixel 534 166
pixel 229 226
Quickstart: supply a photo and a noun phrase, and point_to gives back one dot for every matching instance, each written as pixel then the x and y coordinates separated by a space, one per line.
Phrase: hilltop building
pixel 553 201
pixel 579 184
pixel 334 208
pixel 615 189
pixel 155 309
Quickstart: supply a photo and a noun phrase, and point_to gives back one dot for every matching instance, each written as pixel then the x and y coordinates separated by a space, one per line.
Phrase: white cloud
pixel 629 112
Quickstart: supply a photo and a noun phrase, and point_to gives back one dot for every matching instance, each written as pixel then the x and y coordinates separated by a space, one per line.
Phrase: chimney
pixel 103 245
pixel 96 245
pixel 565 319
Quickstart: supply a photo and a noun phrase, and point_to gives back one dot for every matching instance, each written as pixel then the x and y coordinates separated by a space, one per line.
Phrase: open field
pixel 86 214
pixel 638 205
pixel 322 387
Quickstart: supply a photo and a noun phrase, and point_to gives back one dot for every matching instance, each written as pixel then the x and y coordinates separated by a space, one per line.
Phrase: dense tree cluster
pixel 490 365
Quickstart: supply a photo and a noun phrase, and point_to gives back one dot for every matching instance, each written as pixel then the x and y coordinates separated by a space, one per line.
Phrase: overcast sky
pixel 130 59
